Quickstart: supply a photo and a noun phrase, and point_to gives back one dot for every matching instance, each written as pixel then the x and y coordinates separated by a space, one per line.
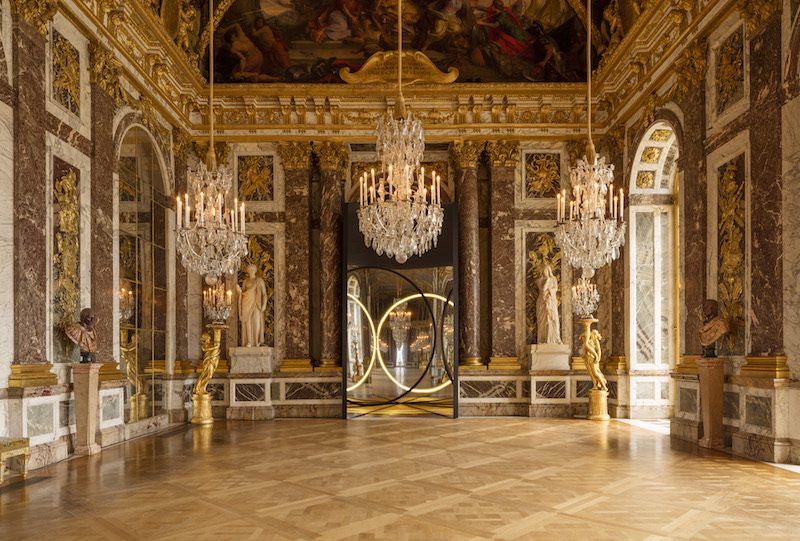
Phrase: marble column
pixel 693 213
pixel 296 159
pixel 31 259
pixel 766 266
pixel 332 161
pixel 503 159
pixel 466 156
pixel 102 220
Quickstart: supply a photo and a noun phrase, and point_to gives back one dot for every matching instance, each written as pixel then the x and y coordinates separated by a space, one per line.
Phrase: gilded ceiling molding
pixel 503 153
pixel 331 155
pixel 295 155
pixel 105 70
pixel 466 154
pixel 756 12
pixel 36 12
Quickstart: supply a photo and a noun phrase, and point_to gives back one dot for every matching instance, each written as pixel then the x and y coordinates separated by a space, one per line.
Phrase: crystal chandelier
pixel 126 303
pixel 215 243
pixel 399 322
pixel 591 229
pixel 217 303
pixel 399 215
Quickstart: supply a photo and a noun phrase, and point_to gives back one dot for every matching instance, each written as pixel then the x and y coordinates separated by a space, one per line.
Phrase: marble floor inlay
pixel 416 479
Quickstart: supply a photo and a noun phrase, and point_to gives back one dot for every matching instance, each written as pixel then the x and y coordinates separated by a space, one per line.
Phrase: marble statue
pixel 83 334
pixel 713 328
pixel 252 303
pixel 548 329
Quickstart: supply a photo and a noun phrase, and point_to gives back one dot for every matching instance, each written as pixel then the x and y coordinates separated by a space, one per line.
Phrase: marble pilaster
pixel 466 156
pixel 503 158
pixel 103 288
pixel 30 196
pixel 296 159
pixel 766 267
pixel 332 161
pixel 693 217
pixel 181 280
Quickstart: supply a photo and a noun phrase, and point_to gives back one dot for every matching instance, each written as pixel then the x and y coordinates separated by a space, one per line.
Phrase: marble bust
pixel 548 329
pixel 83 334
pixel 713 328
pixel 252 303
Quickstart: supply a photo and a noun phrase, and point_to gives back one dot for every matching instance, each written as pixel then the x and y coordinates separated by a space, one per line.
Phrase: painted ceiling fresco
pixel 266 41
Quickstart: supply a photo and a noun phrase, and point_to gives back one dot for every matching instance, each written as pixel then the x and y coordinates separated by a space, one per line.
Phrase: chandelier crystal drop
pixel 215 242
pixel 400 214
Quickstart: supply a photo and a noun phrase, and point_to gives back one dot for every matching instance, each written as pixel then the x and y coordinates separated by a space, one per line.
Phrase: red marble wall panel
pixel 503 289
pixel 331 264
pixel 298 249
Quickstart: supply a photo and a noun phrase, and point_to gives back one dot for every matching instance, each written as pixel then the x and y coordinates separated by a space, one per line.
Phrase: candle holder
pixel 126 303
pixel 217 302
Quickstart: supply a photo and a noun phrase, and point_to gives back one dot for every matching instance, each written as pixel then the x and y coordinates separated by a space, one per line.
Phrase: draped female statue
pixel 548 329
pixel 252 303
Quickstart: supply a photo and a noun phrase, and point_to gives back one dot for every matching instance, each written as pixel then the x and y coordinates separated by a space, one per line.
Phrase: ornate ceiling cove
pixel 152 42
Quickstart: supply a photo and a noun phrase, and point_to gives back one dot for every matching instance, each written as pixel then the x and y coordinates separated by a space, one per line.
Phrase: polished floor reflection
pixel 420 479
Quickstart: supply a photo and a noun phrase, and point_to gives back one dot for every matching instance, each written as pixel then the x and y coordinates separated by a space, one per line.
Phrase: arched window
pixel 143 273
pixel 651 266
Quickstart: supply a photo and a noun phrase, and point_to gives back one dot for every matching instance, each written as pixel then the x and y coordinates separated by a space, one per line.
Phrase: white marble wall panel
pixel 110 408
pixel 6 243
pixel 81 123
pixel 791 245
pixel 259 149
pixel 4 424
pixel 58 148
pixel 5 38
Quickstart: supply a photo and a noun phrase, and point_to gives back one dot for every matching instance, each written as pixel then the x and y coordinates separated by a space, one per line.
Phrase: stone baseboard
pixel 551 410
pixel 492 409
pixel 111 435
pixel 651 412
pixel 619 412
pixel 761 447
pixel 178 416
pixel 48 453
pixel 251 413
pixel 304 411
pixel 686 430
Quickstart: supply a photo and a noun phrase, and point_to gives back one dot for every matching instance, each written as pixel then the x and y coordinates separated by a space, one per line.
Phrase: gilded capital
pixel 576 149
pixel 105 69
pixel 36 12
pixel 180 143
pixel 330 155
pixel 503 153
pixel 690 68
pixel 221 151
pixel 756 12
pixel 295 155
pixel 466 154
pixel 615 141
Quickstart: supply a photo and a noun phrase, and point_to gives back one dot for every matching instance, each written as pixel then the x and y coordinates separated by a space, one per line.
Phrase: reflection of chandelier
pixel 126 303
pixel 216 242
pixel 591 231
pixel 399 322
pixel 400 216
pixel 217 303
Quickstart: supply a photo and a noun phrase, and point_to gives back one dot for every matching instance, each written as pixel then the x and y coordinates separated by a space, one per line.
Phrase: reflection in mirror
pixel 142 241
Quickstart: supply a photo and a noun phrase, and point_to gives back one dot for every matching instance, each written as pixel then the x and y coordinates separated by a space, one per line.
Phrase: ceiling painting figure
pixel 310 41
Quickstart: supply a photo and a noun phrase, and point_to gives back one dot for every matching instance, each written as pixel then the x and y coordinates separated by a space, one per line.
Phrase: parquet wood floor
pixel 416 479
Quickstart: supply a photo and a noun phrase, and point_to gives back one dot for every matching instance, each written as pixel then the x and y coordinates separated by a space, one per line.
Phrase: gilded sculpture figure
pixel 252 304
pixel 591 356
pixel 548 328
pixel 211 350
pixel 84 335
pixel 713 328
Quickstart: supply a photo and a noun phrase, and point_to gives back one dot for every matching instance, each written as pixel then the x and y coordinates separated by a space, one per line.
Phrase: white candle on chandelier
pixel 235 222
pixel 621 203
pixel 558 207
pixel 408 184
pixel 229 297
pixel 179 214
pixel 186 197
pixel 614 208
pixel 241 218
pixel 563 204
pixel 202 205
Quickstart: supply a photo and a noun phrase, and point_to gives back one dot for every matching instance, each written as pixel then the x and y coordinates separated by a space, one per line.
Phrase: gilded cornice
pixel 503 153
pixel 466 154
pixel 331 155
pixel 36 12
pixel 105 70
pixel 756 12
pixel 690 68
pixel 295 155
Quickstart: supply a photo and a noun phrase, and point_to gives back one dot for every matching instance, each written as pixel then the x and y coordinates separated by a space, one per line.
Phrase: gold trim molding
pixel 765 367
pixel 331 155
pixel 688 365
pixel 31 375
pixel 466 154
pixel 381 67
pixel 110 372
pixel 296 365
pixel 504 363
pixel 617 362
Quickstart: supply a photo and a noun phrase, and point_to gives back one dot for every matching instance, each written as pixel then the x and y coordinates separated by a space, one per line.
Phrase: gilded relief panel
pixel 255 175
pixel 729 77
pixel 542 174
pixel 731 245
pixel 66 257
pixel 261 252
pixel 66 73
pixel 541 249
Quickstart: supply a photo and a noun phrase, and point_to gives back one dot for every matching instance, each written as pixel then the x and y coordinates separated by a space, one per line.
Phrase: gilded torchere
pixel 201 400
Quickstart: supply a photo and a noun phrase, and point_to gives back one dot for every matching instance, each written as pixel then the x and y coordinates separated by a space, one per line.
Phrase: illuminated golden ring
pixel 374 343
pixel 380 357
